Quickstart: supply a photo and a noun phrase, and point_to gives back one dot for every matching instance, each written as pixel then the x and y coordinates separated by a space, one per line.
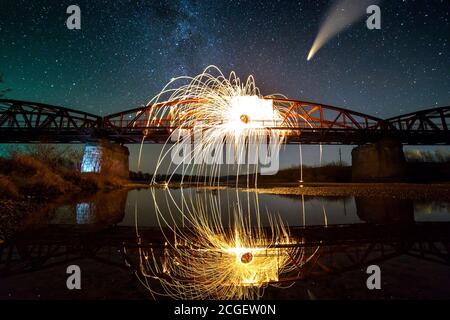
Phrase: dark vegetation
pixel 331 172
pixel 46 171
pixel 140 176
pixel 419 156
pixel 427 166
pixel 38 178
pixel 421 166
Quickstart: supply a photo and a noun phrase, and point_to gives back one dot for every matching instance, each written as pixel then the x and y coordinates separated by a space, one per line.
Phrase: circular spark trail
pixel 209 251
pixel 213 261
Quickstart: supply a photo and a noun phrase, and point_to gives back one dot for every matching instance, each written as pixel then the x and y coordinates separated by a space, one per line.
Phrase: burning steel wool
pixel 212 250
pixel 223 112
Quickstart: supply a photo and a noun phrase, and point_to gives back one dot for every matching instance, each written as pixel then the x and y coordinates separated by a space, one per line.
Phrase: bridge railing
pixel 16 114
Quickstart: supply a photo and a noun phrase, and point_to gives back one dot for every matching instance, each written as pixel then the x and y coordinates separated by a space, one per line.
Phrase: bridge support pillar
pixel 385 210
pixel 380 161
pixel 107 158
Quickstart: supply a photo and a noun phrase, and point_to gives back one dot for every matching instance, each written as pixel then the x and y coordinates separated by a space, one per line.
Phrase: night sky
pixel 126 51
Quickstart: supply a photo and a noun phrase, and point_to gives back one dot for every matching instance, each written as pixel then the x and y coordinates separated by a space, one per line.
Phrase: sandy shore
pixel 415 191
pixel 374 190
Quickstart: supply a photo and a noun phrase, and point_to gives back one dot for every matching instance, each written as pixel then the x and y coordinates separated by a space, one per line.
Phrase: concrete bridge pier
pixel 378 162
pixel 385 210
pixel 107 158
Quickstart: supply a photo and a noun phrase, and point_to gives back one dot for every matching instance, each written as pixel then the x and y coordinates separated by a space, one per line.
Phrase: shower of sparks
pixel 210 253
pixel 209 260
pixel 225 111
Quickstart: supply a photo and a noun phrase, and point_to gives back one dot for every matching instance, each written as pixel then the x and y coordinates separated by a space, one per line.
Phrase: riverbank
pixel 438 191
pixel 45 172
pixel 32 181
pixel 413 191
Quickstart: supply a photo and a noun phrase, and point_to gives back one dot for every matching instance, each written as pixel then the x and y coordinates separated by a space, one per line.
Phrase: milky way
pixel 127 50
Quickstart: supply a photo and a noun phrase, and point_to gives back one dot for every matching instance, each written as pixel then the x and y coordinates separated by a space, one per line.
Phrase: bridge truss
pixel 29 122
pixel 307 122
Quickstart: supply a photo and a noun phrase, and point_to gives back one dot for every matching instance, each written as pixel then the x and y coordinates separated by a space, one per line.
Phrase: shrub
pixel 33 177
pixel 44 172
pixel 7 188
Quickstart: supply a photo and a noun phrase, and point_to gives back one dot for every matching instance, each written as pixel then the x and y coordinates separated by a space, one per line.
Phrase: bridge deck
pixel 307 122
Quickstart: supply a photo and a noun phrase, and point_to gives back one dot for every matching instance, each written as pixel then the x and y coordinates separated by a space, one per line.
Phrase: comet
pixel 341 15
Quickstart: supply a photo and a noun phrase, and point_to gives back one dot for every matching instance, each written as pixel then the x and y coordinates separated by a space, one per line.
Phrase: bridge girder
pixel 308 123
pixel 22 121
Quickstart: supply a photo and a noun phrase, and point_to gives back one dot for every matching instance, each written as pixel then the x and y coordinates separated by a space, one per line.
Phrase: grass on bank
pixel 44 171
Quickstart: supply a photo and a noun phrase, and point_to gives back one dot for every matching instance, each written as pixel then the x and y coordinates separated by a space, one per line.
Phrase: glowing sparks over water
pixel 211 252
pixel 224 111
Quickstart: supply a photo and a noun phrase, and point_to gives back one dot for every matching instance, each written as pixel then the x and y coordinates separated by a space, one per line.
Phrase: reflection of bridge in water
pixel 90 234
pixel 342 247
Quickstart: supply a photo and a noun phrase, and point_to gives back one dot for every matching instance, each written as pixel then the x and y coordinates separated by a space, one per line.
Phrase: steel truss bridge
pixel 306 122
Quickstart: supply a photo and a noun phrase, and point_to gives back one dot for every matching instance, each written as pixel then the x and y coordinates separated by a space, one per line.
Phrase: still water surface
pixel 409 239
pixel 138 206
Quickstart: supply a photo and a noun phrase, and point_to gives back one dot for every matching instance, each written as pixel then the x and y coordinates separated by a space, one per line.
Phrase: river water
pixel 128 208
pixel 408 238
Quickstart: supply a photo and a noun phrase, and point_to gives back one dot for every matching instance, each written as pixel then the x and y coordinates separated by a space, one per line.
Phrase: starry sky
pixel 126 51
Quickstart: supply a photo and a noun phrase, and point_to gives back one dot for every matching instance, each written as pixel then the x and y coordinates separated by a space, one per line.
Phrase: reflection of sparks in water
pixel 209 258
pixel 202 257
pixel 238 263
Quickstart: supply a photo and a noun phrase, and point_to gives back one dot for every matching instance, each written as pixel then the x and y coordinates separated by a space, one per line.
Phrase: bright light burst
pixel 215 101
pixel 223 110
pixel 211 261
pixel 204 257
